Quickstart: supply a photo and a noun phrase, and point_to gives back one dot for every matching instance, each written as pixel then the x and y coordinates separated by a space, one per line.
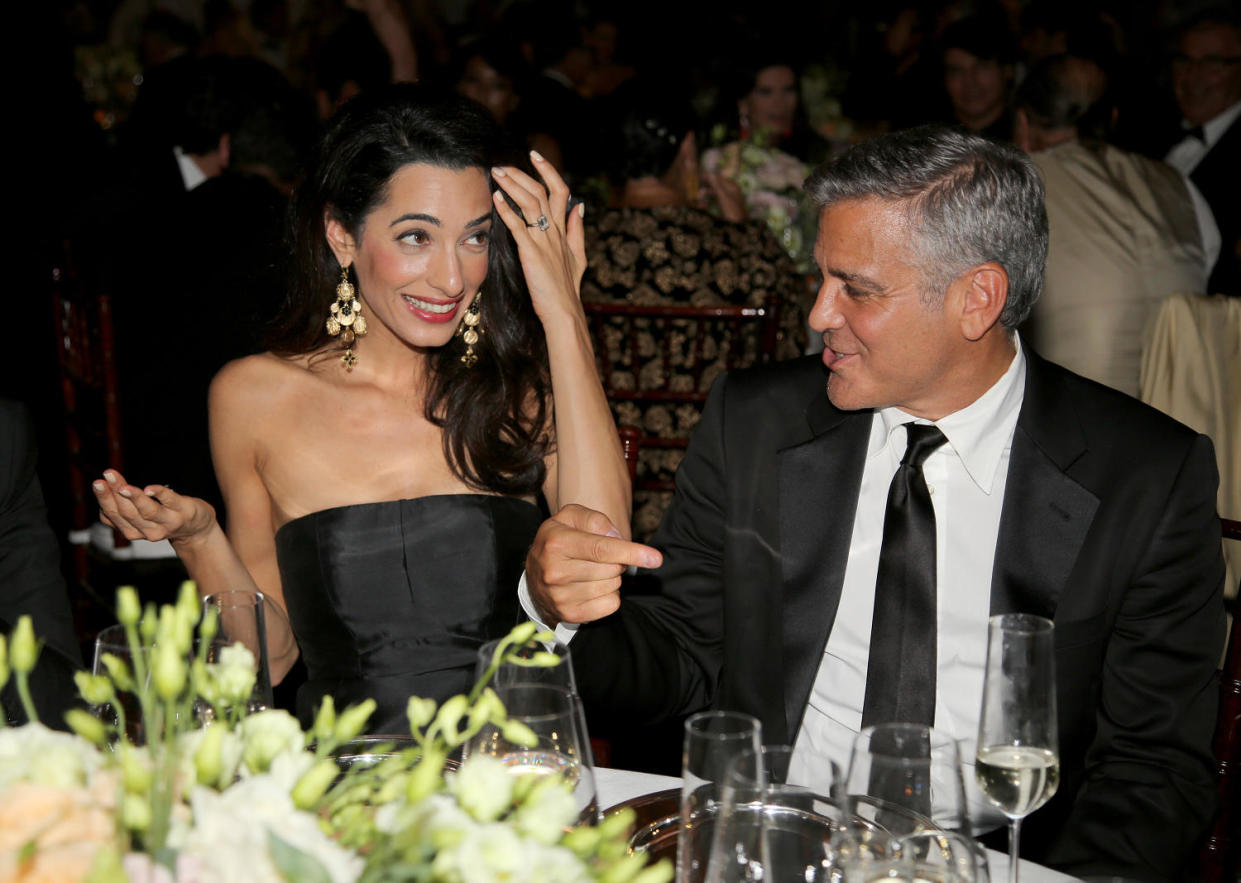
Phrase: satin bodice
pixel 391 600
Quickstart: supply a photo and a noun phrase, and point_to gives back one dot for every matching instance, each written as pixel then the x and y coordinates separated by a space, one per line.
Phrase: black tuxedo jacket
pixel 30 577
pixel 1217 177
pixel 1108 526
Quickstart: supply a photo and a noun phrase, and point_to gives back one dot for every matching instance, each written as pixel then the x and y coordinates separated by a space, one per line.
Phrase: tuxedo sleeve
pixel 30 579
pixel 659 655
pixel 1148 790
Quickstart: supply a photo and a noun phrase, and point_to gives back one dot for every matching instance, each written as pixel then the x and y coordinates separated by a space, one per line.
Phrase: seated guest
pixel 1124 235
pixel 777 584
pixel 1206 77
pixel 978 56
pixel 655 248
pixel 30 578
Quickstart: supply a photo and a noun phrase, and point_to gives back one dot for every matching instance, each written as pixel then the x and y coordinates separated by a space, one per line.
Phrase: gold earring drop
pixel 470 329
pixel 346 319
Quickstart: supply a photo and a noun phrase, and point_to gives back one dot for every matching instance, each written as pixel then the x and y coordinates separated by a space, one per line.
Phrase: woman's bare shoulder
pixel 258 383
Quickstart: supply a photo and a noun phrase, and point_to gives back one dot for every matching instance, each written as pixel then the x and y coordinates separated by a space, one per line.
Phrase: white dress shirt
pixel 1187 153
pixel 966 478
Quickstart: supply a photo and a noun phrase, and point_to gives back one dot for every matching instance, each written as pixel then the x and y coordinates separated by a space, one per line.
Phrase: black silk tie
pixel 900 674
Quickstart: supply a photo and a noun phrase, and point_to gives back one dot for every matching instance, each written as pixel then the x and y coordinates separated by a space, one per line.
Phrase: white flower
pixel 555 864
pixel 234 673
pixel 33 753
pixel 230 754
pixel 488 854
pixel 268 734
pixel 229 835
pixel 547 812
pixel 483 786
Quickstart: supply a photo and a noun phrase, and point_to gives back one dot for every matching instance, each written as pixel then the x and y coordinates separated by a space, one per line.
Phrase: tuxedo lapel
pixel 818 491
pixel 1046 513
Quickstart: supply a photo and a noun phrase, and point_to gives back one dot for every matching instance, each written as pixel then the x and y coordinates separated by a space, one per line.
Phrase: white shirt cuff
pixel 564 632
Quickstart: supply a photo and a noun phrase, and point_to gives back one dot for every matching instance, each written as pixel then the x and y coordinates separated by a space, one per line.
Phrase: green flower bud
pixel 209 758
pixel 352 721
pixel 118 671
pixel 624 869
pixel 128 610
pixel 135 770
pixel 544 659
pixel 210 626
pixel 183 628
pixel 617 824
pixel 660 872
pixel 168 670
pixel 325 720
pixel 4 660
pixel 581 841
pixel 149 624
pixel 519 734
pixel 314 783
pixel 448 720
pixel 86 725
pixel 135 812
pixel 187 600
pixel 522 633
pixel 425 778
pixel 23 646
pixel 95 689
pixel 420 713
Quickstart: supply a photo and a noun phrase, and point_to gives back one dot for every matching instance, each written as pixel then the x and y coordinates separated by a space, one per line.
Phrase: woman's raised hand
pixel 550 241
pixel 154 512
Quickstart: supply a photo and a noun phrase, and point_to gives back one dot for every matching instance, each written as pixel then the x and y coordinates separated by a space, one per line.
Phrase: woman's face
pixel 773 100
pixel 421 254
pixel 483 83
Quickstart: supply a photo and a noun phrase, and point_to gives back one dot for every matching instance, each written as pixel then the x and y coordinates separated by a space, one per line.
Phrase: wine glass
pixel 769 828
pixel 555 715
pixel 713 739
pixel 113 641
pixel 903 779
pixel 243 620
pixel 1018 765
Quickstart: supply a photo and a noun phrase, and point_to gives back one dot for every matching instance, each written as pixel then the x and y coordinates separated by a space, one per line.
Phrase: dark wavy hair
pixel 494 415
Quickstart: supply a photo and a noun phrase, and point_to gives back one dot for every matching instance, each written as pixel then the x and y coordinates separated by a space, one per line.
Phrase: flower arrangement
pixel 771 182
pixel 219 794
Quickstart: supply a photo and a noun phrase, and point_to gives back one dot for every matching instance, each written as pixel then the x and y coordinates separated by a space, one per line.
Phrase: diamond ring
pixel 541 222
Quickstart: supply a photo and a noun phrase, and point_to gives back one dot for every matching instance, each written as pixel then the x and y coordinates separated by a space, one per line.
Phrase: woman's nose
pixel 445 273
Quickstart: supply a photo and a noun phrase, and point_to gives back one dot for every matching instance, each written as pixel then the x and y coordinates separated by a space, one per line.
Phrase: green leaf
pixel 295 865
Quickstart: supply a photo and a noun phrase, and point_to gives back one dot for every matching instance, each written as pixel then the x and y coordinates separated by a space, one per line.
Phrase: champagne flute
pixel 1018 766
pixel 713 739
pixel 555 715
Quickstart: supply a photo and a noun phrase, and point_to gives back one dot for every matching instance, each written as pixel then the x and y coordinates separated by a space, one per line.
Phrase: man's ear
pixel 983 294
pixel 339 239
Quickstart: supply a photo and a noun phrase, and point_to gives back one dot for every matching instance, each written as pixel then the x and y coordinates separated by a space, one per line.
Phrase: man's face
pixel 976 87
pixel 1206 73
pixel 887 342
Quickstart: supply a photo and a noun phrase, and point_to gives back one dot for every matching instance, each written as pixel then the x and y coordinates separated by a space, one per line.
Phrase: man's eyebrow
pixel 854 278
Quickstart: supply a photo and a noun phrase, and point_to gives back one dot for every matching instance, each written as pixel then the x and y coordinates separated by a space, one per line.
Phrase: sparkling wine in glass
pixel 1018 762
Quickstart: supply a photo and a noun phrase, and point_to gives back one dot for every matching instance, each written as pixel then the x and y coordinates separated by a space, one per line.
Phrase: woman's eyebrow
pixel 430 219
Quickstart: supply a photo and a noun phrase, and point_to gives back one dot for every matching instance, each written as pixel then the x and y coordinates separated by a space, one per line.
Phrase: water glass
pixel 243 620
pixel 771 829
pixel 519 672
pixel 713 740
pixel 555 716
pixel 112 641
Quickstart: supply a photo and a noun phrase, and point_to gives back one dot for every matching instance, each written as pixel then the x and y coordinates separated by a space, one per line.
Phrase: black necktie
pixel 900 675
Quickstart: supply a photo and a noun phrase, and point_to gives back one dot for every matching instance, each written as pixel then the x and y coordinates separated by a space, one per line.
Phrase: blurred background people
pixel 978 57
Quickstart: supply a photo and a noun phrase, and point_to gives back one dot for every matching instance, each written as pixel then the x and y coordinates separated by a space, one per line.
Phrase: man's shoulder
pixel 795 379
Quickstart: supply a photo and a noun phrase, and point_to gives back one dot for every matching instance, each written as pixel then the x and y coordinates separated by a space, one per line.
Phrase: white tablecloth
pixel 615 786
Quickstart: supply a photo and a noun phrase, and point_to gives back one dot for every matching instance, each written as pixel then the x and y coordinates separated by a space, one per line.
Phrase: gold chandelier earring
pixel 346 320
pixel 470 330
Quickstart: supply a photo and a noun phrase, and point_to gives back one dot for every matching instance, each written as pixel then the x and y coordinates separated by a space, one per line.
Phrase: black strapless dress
pixel 392 600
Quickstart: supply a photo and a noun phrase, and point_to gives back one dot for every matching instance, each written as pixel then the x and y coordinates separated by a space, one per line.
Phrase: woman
pixel 381 485
pixel 766 151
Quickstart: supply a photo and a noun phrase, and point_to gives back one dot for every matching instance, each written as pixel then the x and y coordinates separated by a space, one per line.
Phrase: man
pixel 978 71
pixel 30 579
pixel 1206 78
pixel 1126 231
pixel 1052 495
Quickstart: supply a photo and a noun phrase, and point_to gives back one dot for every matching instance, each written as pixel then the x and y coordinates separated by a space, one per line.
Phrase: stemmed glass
pixel 713 739
pixel 1018 765
pixel 903 779
pixel 555 715
pixel 112 641
pixel 769 828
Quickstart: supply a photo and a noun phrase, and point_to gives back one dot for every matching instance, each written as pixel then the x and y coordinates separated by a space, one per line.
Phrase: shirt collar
pixel 979 433
pixel 1214 128
pixel 191 174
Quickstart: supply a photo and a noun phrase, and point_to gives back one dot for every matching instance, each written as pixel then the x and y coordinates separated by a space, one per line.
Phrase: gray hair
pixel 970 200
